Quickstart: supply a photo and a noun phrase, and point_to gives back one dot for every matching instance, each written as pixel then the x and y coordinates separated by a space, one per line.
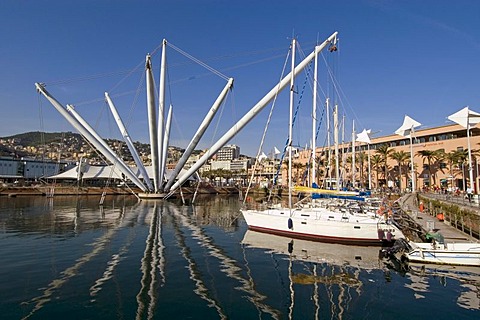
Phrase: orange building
pixel 440 161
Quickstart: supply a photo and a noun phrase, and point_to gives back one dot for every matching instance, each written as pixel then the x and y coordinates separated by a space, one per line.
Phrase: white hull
pixel 320 224
pixel 462 254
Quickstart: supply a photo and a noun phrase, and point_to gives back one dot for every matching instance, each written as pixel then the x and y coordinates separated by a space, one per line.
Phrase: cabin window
pixel 356 227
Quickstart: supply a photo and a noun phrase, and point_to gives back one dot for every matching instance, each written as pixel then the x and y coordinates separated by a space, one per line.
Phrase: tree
pixel 400 157
pixel 376 163
pixel 384 151
pixel 362 157
pixel 431 156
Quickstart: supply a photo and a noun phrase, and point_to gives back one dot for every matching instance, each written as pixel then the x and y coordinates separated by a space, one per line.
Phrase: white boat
pixel 462 254
pixel 318 223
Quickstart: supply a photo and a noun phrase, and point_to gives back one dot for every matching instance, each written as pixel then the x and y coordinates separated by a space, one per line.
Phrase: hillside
pixel 37 138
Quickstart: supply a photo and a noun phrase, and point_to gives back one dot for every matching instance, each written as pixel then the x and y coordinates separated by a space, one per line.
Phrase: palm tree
pixel 431 156
pixel 452 158
pixel 400 157
pixel 462 160
pixel 384 151
pixel 376 162
pixel 361 156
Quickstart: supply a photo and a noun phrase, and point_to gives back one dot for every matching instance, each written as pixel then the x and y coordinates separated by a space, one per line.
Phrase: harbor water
pixel 70 258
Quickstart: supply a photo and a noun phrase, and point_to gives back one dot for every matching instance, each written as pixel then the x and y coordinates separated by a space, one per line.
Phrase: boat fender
pixel 381 234
pixel 290 224
pixel 389 236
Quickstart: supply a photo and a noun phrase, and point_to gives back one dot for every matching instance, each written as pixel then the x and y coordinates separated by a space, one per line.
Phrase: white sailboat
pixel 317 223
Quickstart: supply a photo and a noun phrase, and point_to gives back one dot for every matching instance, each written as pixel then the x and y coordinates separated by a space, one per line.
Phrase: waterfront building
pixel 12 169
pixel 436 167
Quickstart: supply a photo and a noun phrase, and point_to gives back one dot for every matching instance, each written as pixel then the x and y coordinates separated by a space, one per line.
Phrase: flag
pixel 275 150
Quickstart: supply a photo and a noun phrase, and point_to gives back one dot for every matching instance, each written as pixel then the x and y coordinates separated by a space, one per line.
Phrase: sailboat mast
pixel 343 178
pixel 353 155
pixel 335 141
pixel 370 168
pixel 314 121
pixel 329 153
pixel 290 125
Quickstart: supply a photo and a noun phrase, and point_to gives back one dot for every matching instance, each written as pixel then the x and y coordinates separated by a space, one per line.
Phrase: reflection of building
pixel 439 172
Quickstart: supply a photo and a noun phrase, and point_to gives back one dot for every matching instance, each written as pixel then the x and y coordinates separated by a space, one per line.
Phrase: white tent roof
pixel 407 127
pixel 106 172
pixel 465 117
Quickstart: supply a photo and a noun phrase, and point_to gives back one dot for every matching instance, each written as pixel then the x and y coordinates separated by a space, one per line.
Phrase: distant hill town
pixel 66 146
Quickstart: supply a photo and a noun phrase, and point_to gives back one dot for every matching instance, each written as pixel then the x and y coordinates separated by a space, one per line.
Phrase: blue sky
pixel 419 58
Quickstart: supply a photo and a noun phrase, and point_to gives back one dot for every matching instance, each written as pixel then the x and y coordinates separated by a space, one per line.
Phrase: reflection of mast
pixel 201 289
pixel 334 276
pixel 152 262
pixel 98 245
pixel 228 265
pixel 292 292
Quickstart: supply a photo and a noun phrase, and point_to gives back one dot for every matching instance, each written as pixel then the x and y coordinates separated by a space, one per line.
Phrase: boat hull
pixel 462 254
pixel 318 225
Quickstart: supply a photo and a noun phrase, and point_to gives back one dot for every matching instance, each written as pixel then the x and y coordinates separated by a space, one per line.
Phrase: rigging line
pixel 134 102
pixel 218 73
pixel 222 108
pixel 129 73
pixel 265 131
pixel 293 125
pixel 340 91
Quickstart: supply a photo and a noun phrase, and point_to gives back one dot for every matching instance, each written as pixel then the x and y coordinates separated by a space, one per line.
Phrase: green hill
pixel 37 138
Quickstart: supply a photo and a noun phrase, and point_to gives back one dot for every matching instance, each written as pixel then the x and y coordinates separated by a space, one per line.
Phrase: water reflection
pixel 229 266
pixel 153 263
pixel 98 245
pixel 150 260
pixel 423 276
pixel 332 270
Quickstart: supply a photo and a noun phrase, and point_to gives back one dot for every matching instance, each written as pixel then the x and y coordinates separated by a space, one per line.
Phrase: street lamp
pixel 364 136
pixel 467 119
pixel 406 130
